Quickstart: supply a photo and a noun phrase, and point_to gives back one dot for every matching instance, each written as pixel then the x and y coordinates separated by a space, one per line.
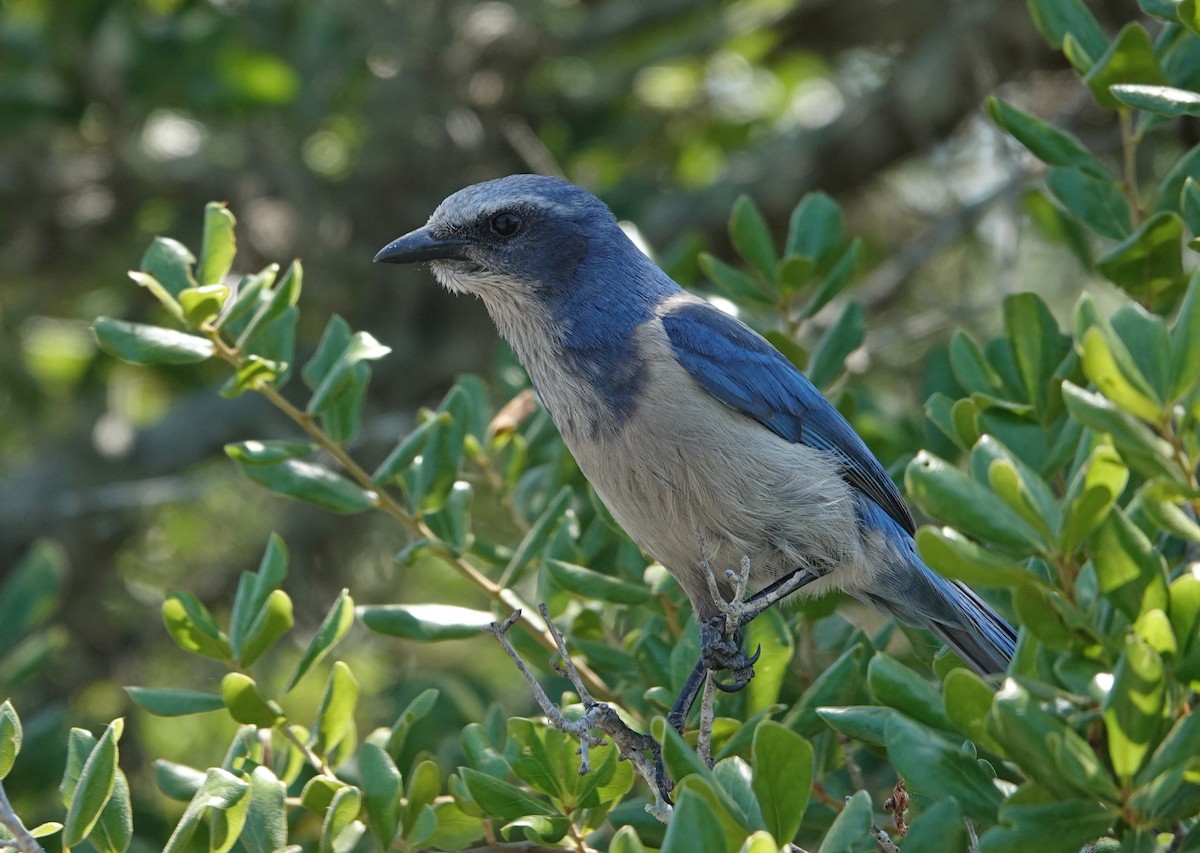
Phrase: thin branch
pixel 885 841
pixel 707 715
pixel 25 842
pixel 631 746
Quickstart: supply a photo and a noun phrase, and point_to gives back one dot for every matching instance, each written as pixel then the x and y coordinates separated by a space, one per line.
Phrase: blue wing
pixel 741 369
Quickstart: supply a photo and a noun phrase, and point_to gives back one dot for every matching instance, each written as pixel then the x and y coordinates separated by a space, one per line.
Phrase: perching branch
pixel 23 841
pixel 631 745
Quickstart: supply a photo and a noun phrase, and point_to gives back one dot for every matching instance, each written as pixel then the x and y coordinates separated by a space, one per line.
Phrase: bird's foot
pixel 722 650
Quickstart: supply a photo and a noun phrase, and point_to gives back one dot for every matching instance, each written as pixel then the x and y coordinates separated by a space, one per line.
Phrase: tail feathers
pixel 916 595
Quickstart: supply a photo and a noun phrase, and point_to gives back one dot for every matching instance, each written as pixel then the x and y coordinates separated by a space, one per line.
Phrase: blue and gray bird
pixel 690 425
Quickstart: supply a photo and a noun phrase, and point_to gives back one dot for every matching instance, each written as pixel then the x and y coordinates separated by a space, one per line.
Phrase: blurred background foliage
pixel 331 128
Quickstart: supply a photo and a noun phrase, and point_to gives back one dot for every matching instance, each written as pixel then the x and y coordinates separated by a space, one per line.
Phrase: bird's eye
pixel 506 224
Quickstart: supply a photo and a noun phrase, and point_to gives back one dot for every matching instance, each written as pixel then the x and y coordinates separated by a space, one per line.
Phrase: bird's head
pixel 510 239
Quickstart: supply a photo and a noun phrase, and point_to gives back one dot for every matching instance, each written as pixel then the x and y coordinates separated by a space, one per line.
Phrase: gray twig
pixel 884 840
pixel 22 840
pixel 707 715
pixel 631 746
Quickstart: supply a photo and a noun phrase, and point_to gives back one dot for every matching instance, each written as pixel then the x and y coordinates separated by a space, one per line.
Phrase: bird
pixel 707 445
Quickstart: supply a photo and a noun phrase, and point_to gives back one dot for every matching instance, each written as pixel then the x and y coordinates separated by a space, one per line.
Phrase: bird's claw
pixel 719 651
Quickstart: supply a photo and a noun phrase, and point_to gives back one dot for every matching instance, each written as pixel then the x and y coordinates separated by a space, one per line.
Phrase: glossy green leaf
pixel 1129 59
pixel 1019 493
pixel 851 829
pixel 333 628
pixel 202 304
pixel 455 828
pixel 841 683
pixel 341 829
pixel 1148 264
pixel 319 791
pixel 951 496
pixel 1125 391
pixel 1056 19
pixel 138 343
pixel 842 337
pixel 95 784
pixel 311 483
pixel 1049 144
pixel 113 831
pixel 935 766
pixel 191 626
pixel 334 341
pixel 1096 202
pixel 406 450
pixel 735 283
pixel 835 280
pixel 694 827
pixel 254 588
pixel 418 708
pixel 1161 100
pixel 591 584
pixel 273 621
pixel 177 781
pixel 251 375
pixel 1038 345
pixel 425 622
pixel 967 699
pixel 444 451
pixel 218 247
pixel 1134 713
pixel 502 800
pixel 246 704
pixel 169 263
pixel 751 237
pixel 1185 342
pixel 538 535
pixel 971 369
pixel 171 702
pixel 1057 225
pixel 896 686
pixel 335 713
pixel 782 777
pixel 274 303
pixel 1130 570
pixel 451 522
pixel 814 228
pixel 864 723
pixel 382 788
pixel 1037 819
pixel 340 377
pixel 1139 446
pixel 11 735
pixel 1091 495
pixel 772 636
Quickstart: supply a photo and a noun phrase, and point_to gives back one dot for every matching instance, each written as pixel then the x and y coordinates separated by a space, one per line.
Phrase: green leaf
pixel 319 791
pixel 1096 202
pixel 782 777
pixel 843 337
pixel 1144 451
pixel 137 343
pixel 266 815
pixel 895 685
pixel 275 303
pixel 443 452
pixel 1160 100
pixel 694 827
pixel 793 272
pixel 219 246
pixel 335 714
pixel 851 829
pixel 202 304
pixel 382 788
pixel 29 594
pixel 455 828
pixel 968 700
pixel 451 522
pixel 416 709
pixel 971 370
pixel 752 238
pixel 1091 495
pixel 251 375
pixel 500 799
pixel 95 785
pixel 113 831
pixel 246 705
pixel 1056 19
pixel 1057 225
pixel 1129 59
pixel 1050 145
pixel 815 228
pixel 1148 264
pixel 334 341
pixel 836 279
pixel 771 634
pixel 1103 370
pixel 936 767
pixel 340 829
pixel 1130 570
pixel 11 735
pixel 169 263
pixel 540 532
pixel 946 493
pixel 841 683
pixel 1037 819
pixel 1038 345
pixel 191 626
pixel 333 628
pixel 425 622
pixel 1185 342
pixel 735 283
pixel 274 620
pixel 589 584
pixel 1134 712
pixel 311 483
pixel 163 702
pixel 177 781
pixel 940 827
pixel 406 450
pixel 255 588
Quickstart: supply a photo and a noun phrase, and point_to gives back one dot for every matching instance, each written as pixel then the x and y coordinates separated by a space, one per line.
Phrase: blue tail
pixel 916 595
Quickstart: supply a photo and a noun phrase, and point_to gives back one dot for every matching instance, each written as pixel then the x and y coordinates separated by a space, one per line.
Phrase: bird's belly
pixel 678 480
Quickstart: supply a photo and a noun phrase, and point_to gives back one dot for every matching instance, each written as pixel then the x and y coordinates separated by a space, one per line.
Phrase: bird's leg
pixel 720 637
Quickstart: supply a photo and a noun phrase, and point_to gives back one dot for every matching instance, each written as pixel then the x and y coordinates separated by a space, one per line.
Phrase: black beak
pixel 422 245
